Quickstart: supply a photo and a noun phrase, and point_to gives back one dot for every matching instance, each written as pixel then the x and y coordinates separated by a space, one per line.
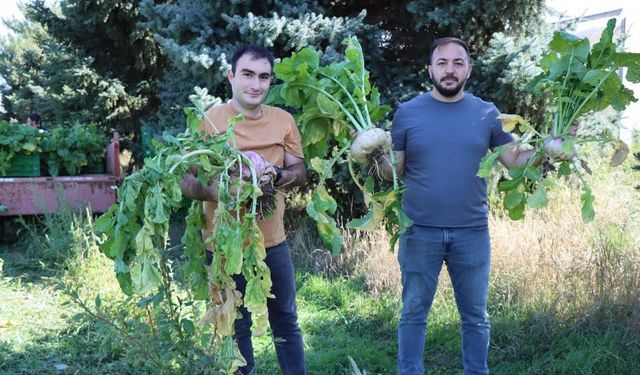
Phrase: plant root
pixel 375 160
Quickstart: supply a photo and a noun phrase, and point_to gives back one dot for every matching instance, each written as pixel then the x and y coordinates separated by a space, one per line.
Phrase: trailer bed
pixel 39 195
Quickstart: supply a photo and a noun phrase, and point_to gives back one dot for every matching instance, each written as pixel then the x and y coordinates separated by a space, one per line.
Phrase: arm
pixel 514 156
pixel 294 173
pixel 192 188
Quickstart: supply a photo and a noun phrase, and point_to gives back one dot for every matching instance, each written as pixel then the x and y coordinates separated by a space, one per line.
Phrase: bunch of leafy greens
pixel 17 139
pixel 69 149
pixel 136 229
pixel 580 80
pixel 335 101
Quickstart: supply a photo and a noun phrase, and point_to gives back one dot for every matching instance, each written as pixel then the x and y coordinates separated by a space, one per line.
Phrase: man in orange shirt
pixel 271 132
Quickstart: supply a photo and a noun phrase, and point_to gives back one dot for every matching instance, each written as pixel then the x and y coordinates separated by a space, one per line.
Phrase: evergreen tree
pixel 84 61
pixel 198 38
pixel 47 76
pixel 122 63
pixel 410 27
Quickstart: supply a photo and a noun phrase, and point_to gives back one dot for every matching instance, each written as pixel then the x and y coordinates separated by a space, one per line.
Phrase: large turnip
pixel 370 147
pixel 554 150
pixel 370 144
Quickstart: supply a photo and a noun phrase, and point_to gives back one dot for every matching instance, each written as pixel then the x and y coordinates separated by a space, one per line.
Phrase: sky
pixel 8 10
pixel 574 8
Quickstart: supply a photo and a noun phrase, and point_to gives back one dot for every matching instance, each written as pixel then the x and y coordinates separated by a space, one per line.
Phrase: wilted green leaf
pixel 587 199
pixel 538 199
pixel 508 185
pixel 513 198
pixel 487 163
pixel 370 221
pixel 564 169
pixel 619 156
pixel 517 212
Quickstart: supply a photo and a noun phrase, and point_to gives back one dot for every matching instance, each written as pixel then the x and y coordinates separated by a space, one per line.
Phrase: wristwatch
pixel 278 174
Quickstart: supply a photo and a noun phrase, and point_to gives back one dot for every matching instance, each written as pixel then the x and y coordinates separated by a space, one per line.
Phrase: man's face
pixel 32 123
pixel 449 69
pixel 250 83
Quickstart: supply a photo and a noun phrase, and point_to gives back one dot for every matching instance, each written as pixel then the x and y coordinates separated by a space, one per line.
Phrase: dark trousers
pixel 283 317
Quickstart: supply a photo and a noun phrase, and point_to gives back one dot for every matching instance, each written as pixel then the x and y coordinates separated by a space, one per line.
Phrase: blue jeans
pixel 283 317
pixel 467 254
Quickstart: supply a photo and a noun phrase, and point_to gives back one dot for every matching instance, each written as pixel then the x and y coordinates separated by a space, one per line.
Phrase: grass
pixel 564 298
pixel 38 330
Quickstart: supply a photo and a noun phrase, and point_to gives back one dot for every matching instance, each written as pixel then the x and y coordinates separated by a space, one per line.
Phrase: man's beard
pixel 448 92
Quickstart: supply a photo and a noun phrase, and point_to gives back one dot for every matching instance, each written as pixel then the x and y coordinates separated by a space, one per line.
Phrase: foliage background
pixel 129 64
pixel 564 294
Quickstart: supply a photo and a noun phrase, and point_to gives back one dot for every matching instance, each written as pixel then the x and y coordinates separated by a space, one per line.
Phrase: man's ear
pixel 469 72
pixel 229 74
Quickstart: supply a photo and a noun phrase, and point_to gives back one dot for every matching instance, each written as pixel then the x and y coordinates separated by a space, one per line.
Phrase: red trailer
pixel 39 195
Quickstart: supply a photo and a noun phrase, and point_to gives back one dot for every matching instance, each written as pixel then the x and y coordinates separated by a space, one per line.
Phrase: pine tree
pixel 124 63
pixel 410 26
pixel 92 64
pixel 198 38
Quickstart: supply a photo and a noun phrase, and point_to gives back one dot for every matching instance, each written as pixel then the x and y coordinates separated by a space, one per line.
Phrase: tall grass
pixel 564 296
pixel 548 253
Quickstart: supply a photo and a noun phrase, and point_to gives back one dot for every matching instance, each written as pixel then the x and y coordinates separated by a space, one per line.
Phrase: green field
pixel 564 299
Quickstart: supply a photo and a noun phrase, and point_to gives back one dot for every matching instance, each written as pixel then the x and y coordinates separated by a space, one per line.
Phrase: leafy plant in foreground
pixel 581 80
pixel 336 101
pixel 136 229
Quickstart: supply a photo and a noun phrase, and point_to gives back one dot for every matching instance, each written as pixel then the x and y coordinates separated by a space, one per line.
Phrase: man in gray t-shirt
pixel 443 143
pixel 439 138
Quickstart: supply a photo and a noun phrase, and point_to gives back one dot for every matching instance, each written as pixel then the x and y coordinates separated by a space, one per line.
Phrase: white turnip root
pixel 370 144
pixel 259 163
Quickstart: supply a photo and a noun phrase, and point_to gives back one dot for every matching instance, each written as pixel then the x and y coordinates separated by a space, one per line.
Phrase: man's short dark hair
pixel 35 118
pixel 256 52
pixel 441 41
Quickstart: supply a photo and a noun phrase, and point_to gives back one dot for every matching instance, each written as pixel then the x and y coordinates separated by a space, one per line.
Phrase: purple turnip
pixel 264 176
pixel 554 150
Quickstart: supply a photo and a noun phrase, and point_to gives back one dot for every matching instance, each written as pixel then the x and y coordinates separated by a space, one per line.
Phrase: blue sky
pixel 9 10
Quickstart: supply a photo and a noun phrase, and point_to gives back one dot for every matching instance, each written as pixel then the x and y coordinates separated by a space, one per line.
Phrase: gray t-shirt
pixel 443 144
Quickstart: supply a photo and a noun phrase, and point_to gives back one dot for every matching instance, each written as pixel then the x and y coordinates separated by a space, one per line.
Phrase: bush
pixel 17 139
pixel 73 149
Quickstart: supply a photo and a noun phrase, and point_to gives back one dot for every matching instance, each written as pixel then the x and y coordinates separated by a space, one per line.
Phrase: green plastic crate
pixel 97 167
pixel 24 166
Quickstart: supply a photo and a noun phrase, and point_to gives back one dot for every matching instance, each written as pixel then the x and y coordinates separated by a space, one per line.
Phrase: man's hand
pixel 271 173
pixel 293 173
pixel 192 188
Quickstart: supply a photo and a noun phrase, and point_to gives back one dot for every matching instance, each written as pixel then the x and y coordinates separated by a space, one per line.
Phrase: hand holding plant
pixel 580 79
pixel 336 101
pixel 136 229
